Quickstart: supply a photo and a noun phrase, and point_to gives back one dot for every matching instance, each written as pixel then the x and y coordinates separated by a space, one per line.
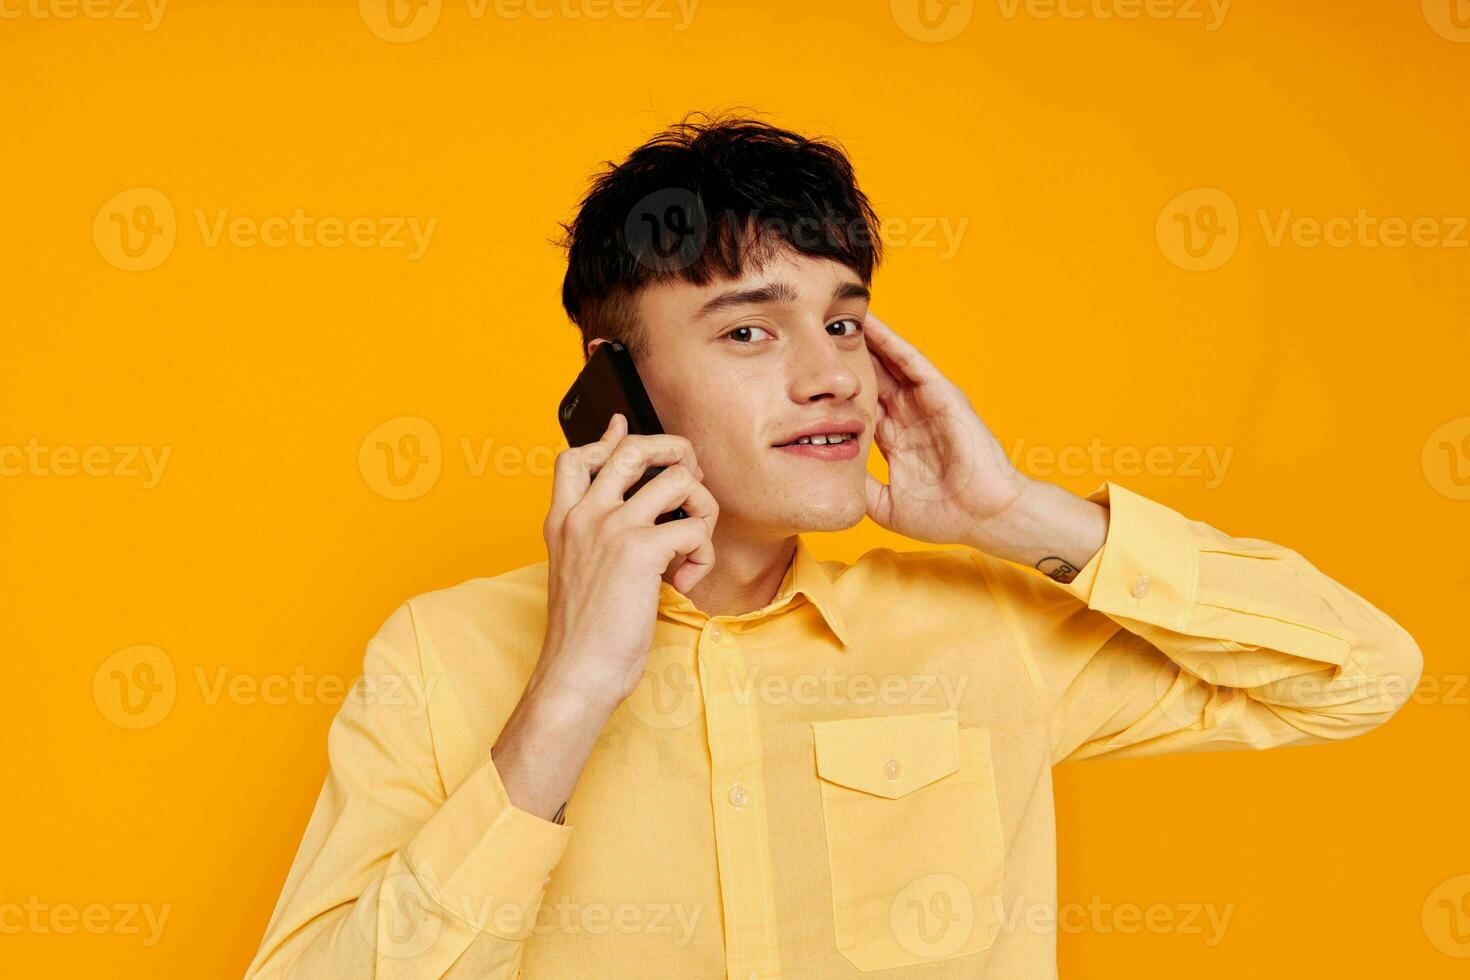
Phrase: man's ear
pixel 594 343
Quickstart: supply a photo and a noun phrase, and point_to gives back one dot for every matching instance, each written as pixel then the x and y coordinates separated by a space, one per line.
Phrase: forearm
pixel 1046 528
pixel 546 742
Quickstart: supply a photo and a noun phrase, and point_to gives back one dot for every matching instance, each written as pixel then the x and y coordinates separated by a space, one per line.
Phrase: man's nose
pixel 820 371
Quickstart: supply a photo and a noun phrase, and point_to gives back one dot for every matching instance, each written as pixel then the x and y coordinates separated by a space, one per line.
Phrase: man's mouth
pixel 833 439
pixel 828 439
pixel 821 432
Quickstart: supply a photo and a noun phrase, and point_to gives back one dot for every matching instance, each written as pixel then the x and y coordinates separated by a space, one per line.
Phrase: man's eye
pixel 743 335
pixel 854 325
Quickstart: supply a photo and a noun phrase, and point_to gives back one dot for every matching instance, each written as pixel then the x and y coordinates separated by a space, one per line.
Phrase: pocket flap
pixel 888 755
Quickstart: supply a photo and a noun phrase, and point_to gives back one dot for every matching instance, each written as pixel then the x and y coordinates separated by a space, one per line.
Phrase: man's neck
pixel 748 571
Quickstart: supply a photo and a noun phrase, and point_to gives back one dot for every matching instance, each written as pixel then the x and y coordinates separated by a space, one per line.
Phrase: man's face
pixel 743 367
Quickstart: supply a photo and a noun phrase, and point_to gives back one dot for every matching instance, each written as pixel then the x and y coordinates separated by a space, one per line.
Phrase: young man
pixel 691 750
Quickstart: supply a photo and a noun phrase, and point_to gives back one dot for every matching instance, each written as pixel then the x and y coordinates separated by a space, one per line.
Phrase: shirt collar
pixel 805 577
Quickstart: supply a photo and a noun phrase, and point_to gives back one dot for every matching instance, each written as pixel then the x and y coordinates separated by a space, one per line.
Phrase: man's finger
pixel 887 383
pixel 879 500
pixel 883 424
pixel 902 358
pixel 574 469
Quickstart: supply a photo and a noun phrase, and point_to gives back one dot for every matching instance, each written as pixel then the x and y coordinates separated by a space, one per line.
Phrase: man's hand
pixel 947 474
pixel 605 560
pixel 949 481
pixel 606 556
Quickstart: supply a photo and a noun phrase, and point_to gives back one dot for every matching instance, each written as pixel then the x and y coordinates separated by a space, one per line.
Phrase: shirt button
pixel 716 634
pixel 1140 587
pixel 891 769
pixel 738 796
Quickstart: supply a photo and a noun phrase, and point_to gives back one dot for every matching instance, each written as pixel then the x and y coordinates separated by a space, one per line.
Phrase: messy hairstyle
pixel 700 201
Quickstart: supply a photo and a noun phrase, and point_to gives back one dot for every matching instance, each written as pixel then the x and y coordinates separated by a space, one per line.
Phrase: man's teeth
pixel 825 440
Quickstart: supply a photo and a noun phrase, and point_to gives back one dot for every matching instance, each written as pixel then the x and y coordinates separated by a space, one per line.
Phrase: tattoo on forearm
pixel 1058 568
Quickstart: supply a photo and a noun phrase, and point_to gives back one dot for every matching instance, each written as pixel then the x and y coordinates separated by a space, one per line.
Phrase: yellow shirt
pixel 856 777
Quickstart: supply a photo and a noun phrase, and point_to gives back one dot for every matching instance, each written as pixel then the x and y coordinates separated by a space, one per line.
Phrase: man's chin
pixel 827 515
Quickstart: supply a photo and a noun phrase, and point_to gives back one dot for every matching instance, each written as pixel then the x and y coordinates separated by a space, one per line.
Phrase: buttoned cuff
pixel 1147 569
pixel 485 860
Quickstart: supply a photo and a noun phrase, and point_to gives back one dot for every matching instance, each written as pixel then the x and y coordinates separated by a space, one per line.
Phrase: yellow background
pixel 265 552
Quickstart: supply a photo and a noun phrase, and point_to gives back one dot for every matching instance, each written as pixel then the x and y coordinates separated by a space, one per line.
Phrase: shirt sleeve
pixel 395 877
pixel 1176 637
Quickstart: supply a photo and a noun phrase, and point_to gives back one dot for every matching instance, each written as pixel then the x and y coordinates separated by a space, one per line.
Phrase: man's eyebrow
pixel 775 292
pixel 771 292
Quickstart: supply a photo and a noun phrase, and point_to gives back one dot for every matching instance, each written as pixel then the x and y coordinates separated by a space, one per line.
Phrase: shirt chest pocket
pixel 913 837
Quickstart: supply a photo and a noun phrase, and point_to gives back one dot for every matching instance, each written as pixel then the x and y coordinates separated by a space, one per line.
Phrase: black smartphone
pixel 609 384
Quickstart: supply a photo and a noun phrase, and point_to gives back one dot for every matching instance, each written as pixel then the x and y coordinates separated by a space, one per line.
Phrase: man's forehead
pixel 803 279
